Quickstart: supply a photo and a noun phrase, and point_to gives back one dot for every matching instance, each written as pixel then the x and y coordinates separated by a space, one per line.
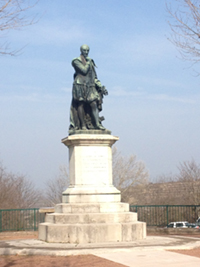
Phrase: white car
pixel 177 225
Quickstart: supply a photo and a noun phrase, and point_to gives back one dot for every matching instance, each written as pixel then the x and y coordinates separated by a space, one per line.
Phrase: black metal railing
pixel 161 215
pixel 20 219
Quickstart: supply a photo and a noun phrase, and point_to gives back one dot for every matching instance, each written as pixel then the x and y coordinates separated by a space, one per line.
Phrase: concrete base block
pixel 89 218
pixel 91 223
pixel 84 198
pixel 91 194
pixel 91 208
pixel 133 231
pixel 82 233
pixel 91 233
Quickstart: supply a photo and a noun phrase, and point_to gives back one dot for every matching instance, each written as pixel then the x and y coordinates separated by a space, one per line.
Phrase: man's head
pixel 85 50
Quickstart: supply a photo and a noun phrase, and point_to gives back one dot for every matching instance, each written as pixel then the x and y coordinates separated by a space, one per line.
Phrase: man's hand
pixel 88 59
pixel 98 83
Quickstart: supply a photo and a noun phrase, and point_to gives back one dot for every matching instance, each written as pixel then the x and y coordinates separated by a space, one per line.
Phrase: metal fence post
pixel 167 214
pixel 35 220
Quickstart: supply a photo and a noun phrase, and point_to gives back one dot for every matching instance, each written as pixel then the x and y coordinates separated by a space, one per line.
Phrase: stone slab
pixel 83 218
pixel 89 139
pixel 89 233
pixel 150 242
pixel 71 132
pixel 69 197
pixel 47 210
pixel 92 207
pixel 133 231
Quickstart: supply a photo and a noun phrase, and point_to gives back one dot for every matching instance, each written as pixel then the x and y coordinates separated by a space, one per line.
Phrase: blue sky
pixel 153 101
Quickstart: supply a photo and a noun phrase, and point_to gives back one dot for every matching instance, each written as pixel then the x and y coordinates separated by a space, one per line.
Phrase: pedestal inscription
pixel 94 166
pixel 99 162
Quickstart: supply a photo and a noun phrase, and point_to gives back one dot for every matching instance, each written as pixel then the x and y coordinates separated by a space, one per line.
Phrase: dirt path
pixel 190 252
pixel 55 261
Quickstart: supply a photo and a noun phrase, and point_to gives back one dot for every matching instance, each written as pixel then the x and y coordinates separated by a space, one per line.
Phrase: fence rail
pixel 153 215
pixel 161 215
pixel 20 219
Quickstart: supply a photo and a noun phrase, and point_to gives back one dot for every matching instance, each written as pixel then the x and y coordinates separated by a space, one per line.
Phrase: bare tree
pixel 5 188
pixel 16 191
pixel 13 15
pixel 55 187
pixel 180 189
pixel 128 172
pixel 185 26
pixel 189 176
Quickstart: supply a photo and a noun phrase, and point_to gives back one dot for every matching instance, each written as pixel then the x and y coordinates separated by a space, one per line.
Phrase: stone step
pixel 91 208
pixel 92 233
pixel 91 193
pixel 89 218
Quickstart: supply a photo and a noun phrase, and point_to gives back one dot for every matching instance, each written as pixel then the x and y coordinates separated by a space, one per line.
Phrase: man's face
pixel 85 51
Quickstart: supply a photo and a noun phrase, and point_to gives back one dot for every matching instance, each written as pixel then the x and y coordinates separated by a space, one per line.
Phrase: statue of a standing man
pixel 87 94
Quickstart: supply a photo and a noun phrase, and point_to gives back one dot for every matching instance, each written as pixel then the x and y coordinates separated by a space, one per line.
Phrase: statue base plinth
pixel 91 223
pixel 90 169
pixel 72 131
pixel 91 211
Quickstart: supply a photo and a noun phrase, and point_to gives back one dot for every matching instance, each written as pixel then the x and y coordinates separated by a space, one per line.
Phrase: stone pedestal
pixel 90 169
pixel 91 211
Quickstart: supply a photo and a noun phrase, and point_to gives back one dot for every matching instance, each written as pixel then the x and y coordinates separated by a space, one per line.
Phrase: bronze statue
pixel 87 94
